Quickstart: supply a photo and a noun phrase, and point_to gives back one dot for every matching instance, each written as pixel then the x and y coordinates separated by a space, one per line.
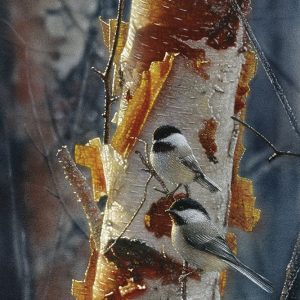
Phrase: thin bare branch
pixel 34 143
pixel 18 234
pixel 78 110
pixel 58 240
pixel 292 271
pixel 53 194
pixel 183 282
pixel 52 118
pixel 277 152
pixel 116 38
pixel 133 217
pixel 70 15
pixel 83 192
pixel 150 169
pixel 146 162
pixel 267 67
pixel 105 76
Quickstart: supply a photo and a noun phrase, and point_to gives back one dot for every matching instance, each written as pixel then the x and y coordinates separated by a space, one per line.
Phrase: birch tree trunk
pixel 185 64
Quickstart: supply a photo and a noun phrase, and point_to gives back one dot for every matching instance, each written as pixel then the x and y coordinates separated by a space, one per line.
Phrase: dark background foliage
pixel 49 97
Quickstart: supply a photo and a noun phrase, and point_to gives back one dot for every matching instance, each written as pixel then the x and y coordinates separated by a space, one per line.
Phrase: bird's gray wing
pixel 210 241
pixel 191 162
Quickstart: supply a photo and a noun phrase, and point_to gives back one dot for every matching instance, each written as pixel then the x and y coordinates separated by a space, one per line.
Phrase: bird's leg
pixel 184 275
pixel 146 149
pixel 143 160
pixel 160 191
pixel 187 190
pixel 167 193
pixel 176 189
pixel 183 280
pixel 171 194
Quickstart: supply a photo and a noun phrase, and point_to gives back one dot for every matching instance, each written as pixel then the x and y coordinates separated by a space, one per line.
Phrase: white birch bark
pixel 186 101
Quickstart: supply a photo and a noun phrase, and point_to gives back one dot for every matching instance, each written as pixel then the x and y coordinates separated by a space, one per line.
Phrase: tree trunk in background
pixel 47 48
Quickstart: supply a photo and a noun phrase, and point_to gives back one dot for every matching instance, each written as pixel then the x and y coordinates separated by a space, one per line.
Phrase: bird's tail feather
pixel 262 282
pixel 208 183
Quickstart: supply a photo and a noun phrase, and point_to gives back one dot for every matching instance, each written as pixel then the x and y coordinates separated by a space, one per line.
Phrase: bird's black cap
pixel 188 203
pixel 164 131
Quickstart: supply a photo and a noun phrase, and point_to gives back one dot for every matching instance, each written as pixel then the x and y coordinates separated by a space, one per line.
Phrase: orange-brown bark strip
pixel 207 137
pixel 140 105
pixel 89 156
pixel 248 72
pixel 83 290
pixel 108 33
pixel 243 213
pixel 157 220
pixel 200 63
pixel 232 243
pixel 172 23
pixel 129 263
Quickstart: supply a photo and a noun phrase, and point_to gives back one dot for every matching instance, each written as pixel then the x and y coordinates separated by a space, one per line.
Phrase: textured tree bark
pixel 181 65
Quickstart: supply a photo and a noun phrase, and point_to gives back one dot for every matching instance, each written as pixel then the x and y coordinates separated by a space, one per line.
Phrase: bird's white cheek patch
pixel 192 216
pixel 176 139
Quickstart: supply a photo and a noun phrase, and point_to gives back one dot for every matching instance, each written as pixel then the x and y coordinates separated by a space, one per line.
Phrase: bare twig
pixel 183 282
pixel 292 271
pixel 277 152
pixel 133 217
pixel 214 296
pixel 83 192
pixel 53 194
pixel 105 76
pixel 151 170
pixel 52 118
pixel 57 244
pixel 146 162
pixel 34 144
pixel 70 15
pixel 78 110
pixel 267 67
pixel 18 234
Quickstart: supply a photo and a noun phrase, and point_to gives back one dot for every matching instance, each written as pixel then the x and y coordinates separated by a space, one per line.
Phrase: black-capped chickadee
pixel 197 239
pixel 173 159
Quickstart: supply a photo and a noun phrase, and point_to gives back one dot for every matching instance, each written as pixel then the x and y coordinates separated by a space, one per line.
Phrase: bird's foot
pixel 183 276
pixel 166 192
pixel 187 190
